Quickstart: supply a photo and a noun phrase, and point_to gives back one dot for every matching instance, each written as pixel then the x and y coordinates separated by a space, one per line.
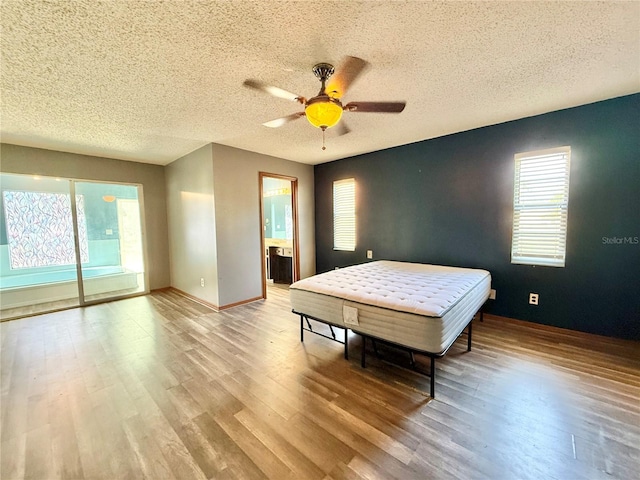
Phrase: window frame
pixel 344 215
pixel 541 207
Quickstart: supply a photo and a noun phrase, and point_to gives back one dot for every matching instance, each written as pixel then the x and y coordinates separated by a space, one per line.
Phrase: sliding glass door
pixel 114 264
pixel 58 254
pixel 37 248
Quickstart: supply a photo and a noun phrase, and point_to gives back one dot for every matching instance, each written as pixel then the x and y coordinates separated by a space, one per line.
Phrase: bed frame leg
pixel 346 344
pixel 469 336
pixel 364 348
pixel 433 377
pixel 301 329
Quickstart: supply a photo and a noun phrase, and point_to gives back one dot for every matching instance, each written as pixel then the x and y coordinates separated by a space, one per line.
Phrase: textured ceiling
pixel 153 81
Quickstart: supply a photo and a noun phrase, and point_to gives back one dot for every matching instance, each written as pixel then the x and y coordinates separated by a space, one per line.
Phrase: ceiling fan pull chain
pixel 323 130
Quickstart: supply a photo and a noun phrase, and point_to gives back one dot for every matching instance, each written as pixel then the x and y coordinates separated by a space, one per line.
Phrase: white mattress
pixel 424 307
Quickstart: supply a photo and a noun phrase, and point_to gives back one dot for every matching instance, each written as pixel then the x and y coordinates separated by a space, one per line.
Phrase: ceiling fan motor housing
pixel 323 111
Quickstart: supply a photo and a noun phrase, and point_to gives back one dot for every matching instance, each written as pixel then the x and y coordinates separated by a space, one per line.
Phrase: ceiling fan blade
pixel 375 107
pixel 278 122
pixel 340 81
pixel 275 91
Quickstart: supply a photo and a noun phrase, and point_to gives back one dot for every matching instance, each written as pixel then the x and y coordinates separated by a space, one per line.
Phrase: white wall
pixel 213 197
pixel 192 225
pixel 210 199
pixel 237 193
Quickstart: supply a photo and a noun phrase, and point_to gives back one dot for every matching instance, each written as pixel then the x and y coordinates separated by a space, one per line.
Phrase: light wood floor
pixel 30 310
pixel 161 387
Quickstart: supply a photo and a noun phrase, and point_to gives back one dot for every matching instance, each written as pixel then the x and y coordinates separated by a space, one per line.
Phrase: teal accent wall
pixel 275 218
pixel 449 201
pixel 102 215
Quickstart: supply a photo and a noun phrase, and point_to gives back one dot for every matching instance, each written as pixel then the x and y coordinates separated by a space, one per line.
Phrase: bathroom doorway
pixel 279 227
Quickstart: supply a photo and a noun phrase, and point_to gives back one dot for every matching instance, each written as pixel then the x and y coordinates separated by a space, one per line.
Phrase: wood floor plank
pixel 235 458
pixel 91 443
pixel 161 387
pixel 39 454
pixel 344 472
pixel 210 461
pixel 151 461
pixel 66 455
pixel 160 418
pixel 291 456
pixel 262 457
pixel 117 450
pixel 321 446
pixel 377 449
pixel 13 457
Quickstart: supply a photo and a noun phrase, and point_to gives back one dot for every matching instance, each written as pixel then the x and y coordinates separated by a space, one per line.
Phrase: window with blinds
pixel 540 203
pixel 344 215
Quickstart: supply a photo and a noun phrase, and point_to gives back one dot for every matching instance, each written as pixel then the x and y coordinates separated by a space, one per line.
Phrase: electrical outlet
pixel 369 253
pixel 492 294
pixel 533 299
pixel 202 282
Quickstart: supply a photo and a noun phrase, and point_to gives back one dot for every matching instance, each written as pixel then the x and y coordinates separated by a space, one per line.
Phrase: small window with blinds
pixel 344 215
pixel 540 203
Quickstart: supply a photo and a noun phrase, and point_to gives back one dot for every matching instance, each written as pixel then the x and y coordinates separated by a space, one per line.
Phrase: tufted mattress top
pixel 422 289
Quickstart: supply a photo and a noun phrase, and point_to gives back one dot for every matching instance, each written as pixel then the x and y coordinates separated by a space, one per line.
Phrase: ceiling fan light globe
pixel 323 111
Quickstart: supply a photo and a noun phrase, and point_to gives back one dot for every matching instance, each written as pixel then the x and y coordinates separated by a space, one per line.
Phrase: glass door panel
pixel 114 265
pixel 37 250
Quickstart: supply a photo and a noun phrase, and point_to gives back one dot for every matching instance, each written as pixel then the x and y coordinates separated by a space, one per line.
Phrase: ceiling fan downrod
pixel 323 71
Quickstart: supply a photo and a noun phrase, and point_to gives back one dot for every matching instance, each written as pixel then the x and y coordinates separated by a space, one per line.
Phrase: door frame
pixel 294 214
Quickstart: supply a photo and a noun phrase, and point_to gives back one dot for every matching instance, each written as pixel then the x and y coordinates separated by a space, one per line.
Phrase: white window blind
pixel 344 214
pixel 540 204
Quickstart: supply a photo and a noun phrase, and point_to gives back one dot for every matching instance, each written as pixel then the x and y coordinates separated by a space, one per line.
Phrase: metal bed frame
pixel 304 318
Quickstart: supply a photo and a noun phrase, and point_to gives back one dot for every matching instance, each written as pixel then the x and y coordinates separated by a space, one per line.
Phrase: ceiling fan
pixel 325 109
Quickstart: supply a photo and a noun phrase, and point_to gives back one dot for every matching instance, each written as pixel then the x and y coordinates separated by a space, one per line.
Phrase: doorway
pixel 279 227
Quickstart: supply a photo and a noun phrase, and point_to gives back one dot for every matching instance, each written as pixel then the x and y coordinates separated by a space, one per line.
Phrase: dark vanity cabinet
pixel 280 265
